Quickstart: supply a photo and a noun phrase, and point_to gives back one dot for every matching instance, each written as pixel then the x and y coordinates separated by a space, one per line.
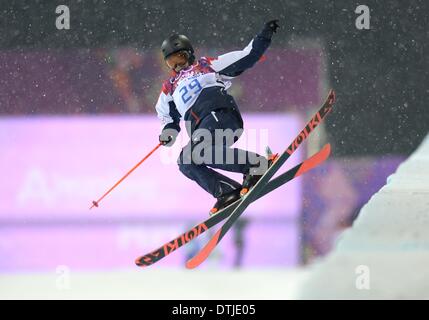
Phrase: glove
pixel 168 137
pixel 270 28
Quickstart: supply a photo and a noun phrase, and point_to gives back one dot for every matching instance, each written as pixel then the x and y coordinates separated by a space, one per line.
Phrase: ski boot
pixel 250 179
pixel 224 201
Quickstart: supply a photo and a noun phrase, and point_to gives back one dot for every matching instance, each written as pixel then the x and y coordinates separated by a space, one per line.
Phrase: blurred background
pixel 77 111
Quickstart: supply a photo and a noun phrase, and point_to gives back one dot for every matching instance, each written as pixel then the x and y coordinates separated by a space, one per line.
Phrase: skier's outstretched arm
pixel 234 63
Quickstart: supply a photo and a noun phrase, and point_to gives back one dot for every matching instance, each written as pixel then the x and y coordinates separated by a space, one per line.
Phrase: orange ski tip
pixel 327 149
pixel 213 210
pixel 204 253
pixel 316 158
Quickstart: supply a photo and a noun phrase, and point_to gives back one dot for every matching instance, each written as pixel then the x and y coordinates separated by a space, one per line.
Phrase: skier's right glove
pixel 168 137
pixel 270 28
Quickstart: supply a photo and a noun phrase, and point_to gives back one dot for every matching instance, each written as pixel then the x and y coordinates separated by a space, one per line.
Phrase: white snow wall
pixel 385 254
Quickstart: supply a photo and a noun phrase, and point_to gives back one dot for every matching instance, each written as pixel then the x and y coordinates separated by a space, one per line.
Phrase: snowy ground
pixel 154 284
pixel 385 255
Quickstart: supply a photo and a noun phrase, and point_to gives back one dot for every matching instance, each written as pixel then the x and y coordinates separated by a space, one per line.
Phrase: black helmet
pixel 176 43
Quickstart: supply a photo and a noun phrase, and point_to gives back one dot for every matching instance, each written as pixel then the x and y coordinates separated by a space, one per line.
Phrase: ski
pixel 202 255
pixel 186 237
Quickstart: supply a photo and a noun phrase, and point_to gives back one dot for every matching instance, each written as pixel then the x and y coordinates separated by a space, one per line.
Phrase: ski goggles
pixel 178 61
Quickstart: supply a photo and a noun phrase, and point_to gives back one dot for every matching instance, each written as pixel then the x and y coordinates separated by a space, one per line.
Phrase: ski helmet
pixel 176 43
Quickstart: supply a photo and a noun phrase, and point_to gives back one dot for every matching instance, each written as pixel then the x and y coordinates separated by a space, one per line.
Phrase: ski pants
pixel 212 146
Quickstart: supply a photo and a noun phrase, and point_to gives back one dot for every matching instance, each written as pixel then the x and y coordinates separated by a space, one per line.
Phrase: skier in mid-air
pixel 197 93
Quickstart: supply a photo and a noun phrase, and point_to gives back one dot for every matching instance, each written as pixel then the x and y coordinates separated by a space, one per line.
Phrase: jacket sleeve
pixel 167 112
pixel 234 63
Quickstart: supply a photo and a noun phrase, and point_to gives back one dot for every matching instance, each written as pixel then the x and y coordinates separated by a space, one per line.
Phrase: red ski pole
pixel 95 203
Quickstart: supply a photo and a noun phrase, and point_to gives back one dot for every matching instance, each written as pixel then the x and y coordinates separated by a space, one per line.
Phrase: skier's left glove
pixel 270 28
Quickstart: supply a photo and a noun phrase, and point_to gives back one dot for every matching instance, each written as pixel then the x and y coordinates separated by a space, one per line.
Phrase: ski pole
pixel 95 203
